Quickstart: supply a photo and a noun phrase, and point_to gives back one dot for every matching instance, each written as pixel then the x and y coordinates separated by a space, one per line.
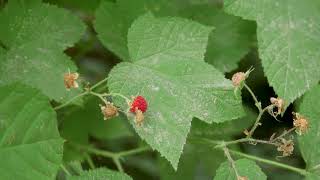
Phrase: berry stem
pixel 256 102
pixel 257 122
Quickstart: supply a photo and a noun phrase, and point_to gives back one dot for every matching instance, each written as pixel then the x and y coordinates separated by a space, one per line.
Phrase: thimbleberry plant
pixel 159 89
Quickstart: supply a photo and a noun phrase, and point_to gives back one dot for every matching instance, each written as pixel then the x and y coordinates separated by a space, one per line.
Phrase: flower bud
pixel 286 147
pixel 237 78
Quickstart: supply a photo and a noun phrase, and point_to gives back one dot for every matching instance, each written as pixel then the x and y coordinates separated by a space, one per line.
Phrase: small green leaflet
pixel 30 146
pixel 168 69
pixel 292 67
pixel 309 142
pixel 245 168
pixel 34 36
pixel 100 173
pixel 229 42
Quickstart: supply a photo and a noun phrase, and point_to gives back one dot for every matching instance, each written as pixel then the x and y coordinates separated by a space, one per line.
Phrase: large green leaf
pixel 227 45
pixel 35 36
pixel 245 168
pixel 101 173
pixel 199 159
pixel 308 142
pixel 30 146
pixel 229 42
pixel 288 32
pixel 167 68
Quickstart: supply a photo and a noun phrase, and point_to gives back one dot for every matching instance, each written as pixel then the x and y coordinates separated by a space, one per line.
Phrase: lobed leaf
pixel 30 145
pixel 166 58
pixel 35 36
pixel 290 66
pixel 308 142
pixel 245 168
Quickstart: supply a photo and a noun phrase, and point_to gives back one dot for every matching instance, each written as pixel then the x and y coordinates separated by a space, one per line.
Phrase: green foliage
pixel 227 44
pixel 290 65
pixel 308 142
pixel 174 54
pixel 30 147
pixel 101 173
pixel 34 36
pixel 245 168
pixel 175 90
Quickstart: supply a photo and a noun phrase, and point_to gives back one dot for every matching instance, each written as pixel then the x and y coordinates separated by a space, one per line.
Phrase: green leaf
pixel 101 173
pixel 227 45
pixel 81 122
pixel 290 66
pixel 30 146
pixel 245 168
pixel 308 142
pixel 167 56
pixel 199 158
pixel 36 35
pixel 229 42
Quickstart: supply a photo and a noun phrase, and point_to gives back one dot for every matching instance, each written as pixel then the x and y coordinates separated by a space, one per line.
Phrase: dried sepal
pixel 70 80
pixel 301 123
pixel 109 111
pixel 139 117
pixel 286 147
pixel 242 178
pixel 279 103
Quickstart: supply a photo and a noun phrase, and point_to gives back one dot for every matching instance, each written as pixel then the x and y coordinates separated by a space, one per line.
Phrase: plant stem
pixel 274 163
pixel 65 170
pixel 70 100
pixel 89 160
pixel 256 102
pixel 118 164
pixel 283 134
pixel 227 153
pixel 99 96
pixel 257 122
pixel 134 151
pixel 99 83
pixel 243 140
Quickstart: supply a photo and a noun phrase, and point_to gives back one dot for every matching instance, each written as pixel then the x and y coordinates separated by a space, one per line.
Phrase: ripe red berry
pixel 139 103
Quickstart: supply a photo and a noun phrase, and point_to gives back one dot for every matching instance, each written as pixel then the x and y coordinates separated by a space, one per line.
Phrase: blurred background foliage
pixel 232 48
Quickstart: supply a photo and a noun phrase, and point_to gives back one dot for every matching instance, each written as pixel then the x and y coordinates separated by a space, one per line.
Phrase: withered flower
pixel 70 80
pixel 109 111
pixel 279 104
pixel 286 147
pixel 301 123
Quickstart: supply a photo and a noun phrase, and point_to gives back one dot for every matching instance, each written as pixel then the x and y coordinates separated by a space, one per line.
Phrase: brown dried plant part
pixel 301 123
pixel 109 111
pixel 243 178
pixel 139 117
pixel 286 147
pixel 70 80
pixel 237 78
pixel 279 104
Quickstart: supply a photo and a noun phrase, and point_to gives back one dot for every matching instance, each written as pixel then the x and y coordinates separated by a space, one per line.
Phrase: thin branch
pixel 256 102
pixel 118 164
pixel 70 100
pixel 134 151
pixel 233 165
pixel 65 170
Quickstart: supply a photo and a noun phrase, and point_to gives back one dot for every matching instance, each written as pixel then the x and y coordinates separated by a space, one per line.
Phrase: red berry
pixel 140 103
